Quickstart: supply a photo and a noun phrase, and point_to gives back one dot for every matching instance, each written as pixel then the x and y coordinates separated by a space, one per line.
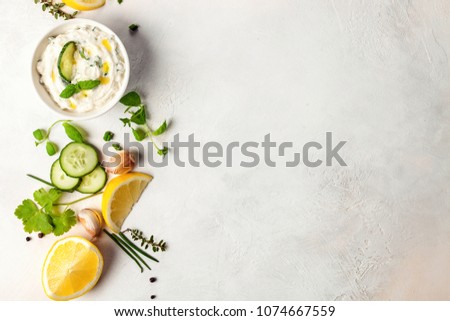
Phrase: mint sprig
pixel 72 89
pixel 138 116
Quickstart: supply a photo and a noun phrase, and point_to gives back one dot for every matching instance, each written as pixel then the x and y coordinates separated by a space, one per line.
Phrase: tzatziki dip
pixel 89 61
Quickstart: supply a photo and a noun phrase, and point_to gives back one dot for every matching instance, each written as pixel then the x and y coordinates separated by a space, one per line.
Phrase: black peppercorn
pixel 41 235
pixel 152 279
pixel 28 239
pixel 153 297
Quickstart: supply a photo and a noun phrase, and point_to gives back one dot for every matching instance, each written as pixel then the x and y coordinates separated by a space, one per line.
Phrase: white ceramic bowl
pixel 45 96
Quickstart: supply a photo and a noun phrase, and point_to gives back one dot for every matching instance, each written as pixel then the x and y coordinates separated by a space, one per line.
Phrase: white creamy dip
pixel 98 57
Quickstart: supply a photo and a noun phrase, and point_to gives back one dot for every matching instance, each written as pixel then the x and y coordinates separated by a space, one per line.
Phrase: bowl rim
pixel 93 113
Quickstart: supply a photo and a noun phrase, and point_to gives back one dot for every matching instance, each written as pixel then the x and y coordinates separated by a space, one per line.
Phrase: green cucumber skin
pixel 62 58
pixel 56 184
pixel 80 187
pixel 88 170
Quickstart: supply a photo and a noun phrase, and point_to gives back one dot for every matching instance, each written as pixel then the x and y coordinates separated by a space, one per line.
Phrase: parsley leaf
pixel 63 221
pixel 39 222
pixel 131 99
pixel 126 122
pixel 26 210
pixel 47 198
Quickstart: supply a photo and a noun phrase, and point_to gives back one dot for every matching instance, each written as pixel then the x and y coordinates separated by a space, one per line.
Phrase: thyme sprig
pixel 138 235
pixel 55 9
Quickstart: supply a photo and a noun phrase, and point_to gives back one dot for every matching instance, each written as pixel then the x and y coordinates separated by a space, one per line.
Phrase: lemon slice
pixel 84 5
pixel 120 194
pixel 72 268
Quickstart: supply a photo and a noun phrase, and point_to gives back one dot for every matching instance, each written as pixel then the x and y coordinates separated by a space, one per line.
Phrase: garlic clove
pixel 121 163
pixel 91 220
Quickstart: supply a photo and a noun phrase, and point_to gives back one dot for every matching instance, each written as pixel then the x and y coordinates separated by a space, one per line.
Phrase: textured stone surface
pixel 374 73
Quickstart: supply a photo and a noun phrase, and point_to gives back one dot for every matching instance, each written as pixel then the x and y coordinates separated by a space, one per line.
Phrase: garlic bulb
pixel 121 163
pixel 91 220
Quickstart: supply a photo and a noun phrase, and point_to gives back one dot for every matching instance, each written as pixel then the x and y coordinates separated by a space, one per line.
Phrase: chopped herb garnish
pixel 108 136
pixel 133 27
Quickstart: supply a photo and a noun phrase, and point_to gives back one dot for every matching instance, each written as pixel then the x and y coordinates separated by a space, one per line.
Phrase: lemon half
pixel 72 268
pixel 119 197
pixel 84 5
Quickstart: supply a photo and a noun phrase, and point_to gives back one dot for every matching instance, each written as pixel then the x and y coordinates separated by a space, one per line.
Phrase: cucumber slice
pixel 93 182
pixel 66 61
pixel 78 159
pixel 61 180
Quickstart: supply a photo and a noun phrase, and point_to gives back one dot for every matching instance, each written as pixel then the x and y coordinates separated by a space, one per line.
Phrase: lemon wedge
pixel 72 268
pixel 84 5
pixel 119 197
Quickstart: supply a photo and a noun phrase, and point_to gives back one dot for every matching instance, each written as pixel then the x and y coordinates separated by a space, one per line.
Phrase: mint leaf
pixel 160 130
pixel 163 152
pixel 51 148
pixel 88 84
pixel 63 221
pixel 47 198
pixel 117 146
pixel 39 134
pixel 108 136
pixel 69 91
pixel 133 27
pixel 131 99
pixel 73 133
pixel 26 210
pixel 139 134
pixel 139 117
pixel 126 122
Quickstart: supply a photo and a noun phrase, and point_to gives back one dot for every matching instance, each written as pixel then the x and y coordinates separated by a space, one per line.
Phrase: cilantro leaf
pixel 131 99
pixel 63 221
pixel 26 210
pixel 39 222
pixel 46 199
pixel 160 130
pixel 33 219
pixel 139 117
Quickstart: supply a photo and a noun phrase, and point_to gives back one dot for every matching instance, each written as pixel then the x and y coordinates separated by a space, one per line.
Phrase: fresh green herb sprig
pixel 55 9
pixel 134 252
pixel 136 109
pixel 43 136
pixel 45 218
pixel 42 215
pixel 138 235
pixel 72 89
